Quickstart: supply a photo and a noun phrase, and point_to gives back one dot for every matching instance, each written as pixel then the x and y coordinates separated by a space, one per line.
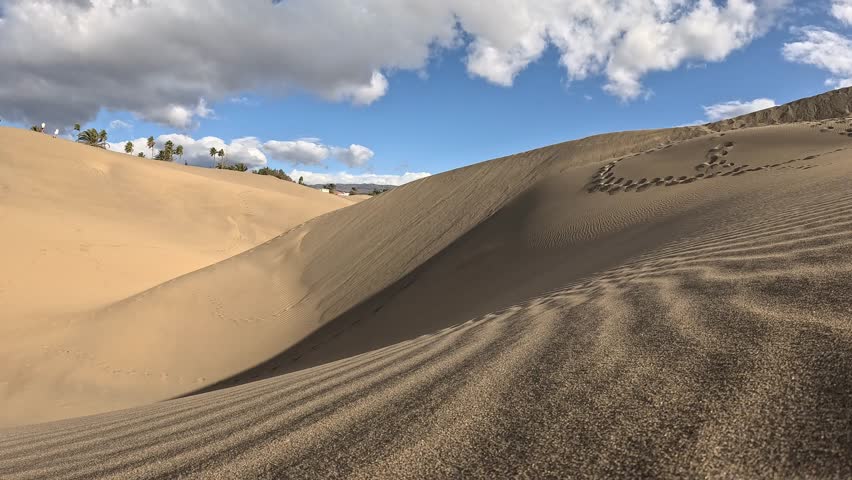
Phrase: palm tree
pixel 213 153
pixel 141 155
pixel 151 145
pixel 301 180
pixel 102 139
pixel 168 151
pixel 77 127
pixel 179 152
pixel 128 148
pixel 222 156
pixel 90 137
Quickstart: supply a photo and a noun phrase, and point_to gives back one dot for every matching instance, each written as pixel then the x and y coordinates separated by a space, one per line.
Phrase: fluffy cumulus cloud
pixel 842 10
pixel 252 152
pixel 298 152
pixel 63 60
pixel 197 151
pixel 314 178
pixel 354 155
pixel 826 50
pixel 178 116
pixel 735 108
pixel 310 151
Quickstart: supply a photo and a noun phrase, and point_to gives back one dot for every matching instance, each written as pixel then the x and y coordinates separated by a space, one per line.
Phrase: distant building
pixel 325 190
pixel 343 194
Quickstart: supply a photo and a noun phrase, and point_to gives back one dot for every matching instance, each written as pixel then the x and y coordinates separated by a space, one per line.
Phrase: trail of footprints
pixel 716 164
pixel 840 127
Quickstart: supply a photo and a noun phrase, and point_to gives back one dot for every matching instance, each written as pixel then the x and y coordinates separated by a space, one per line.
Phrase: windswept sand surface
pixel 533 316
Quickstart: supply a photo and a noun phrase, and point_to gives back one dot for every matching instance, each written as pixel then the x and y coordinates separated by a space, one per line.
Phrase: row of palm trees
pixel 99 139
pixel 218 153
pixel 167 153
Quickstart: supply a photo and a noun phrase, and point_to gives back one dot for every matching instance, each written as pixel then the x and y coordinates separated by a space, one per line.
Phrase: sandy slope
pixel 82 228
pixel 534 315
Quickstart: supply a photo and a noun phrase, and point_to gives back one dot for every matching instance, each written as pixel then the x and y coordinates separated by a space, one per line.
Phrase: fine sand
pixel 667 303
pixel 83 228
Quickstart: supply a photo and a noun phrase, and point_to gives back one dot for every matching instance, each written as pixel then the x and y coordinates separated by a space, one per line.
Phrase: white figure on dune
pixel 55 133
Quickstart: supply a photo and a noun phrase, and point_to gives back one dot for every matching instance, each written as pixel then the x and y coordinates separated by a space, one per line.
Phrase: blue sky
pixel 442 115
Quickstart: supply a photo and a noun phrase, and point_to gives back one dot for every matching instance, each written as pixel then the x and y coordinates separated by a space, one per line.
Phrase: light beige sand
pixel 82 228
pixel 358 198
pixel 505 319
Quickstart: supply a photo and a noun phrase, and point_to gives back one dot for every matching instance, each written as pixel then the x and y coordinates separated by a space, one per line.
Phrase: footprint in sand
pixel 715 165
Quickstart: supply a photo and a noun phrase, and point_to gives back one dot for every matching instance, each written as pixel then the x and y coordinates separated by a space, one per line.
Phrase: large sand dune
pixel 659 303
pixel 82 228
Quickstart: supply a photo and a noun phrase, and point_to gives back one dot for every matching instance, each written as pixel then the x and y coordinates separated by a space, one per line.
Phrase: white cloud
pixel 119 125
pixel 825 50
pixel 178 116
pixel 197 152
pixel 252 151
pixel 311 151
pixel 159 58
pixel 298 152
pixel 353 156
pixel 839 82
pixel 842 10
pixel 708 32
pixel 735 108
pixel 362 94
pixel 314 178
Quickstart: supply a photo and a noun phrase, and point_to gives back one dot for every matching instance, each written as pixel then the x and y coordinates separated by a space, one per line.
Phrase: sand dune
pixel 536 315
pixel 83 228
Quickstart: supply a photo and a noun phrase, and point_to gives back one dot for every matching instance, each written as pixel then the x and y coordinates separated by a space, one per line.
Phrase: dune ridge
pixel 501 320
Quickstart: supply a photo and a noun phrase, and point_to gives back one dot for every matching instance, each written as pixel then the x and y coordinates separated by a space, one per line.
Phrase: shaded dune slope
pixel 519 325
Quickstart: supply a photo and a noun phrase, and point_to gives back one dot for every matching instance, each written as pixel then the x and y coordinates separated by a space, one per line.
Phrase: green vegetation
pixel 240 167
pixel 98 139
pixel 93 137
pixel 151 145
pixel 167 153
pixel 277 173
pixel 221 164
